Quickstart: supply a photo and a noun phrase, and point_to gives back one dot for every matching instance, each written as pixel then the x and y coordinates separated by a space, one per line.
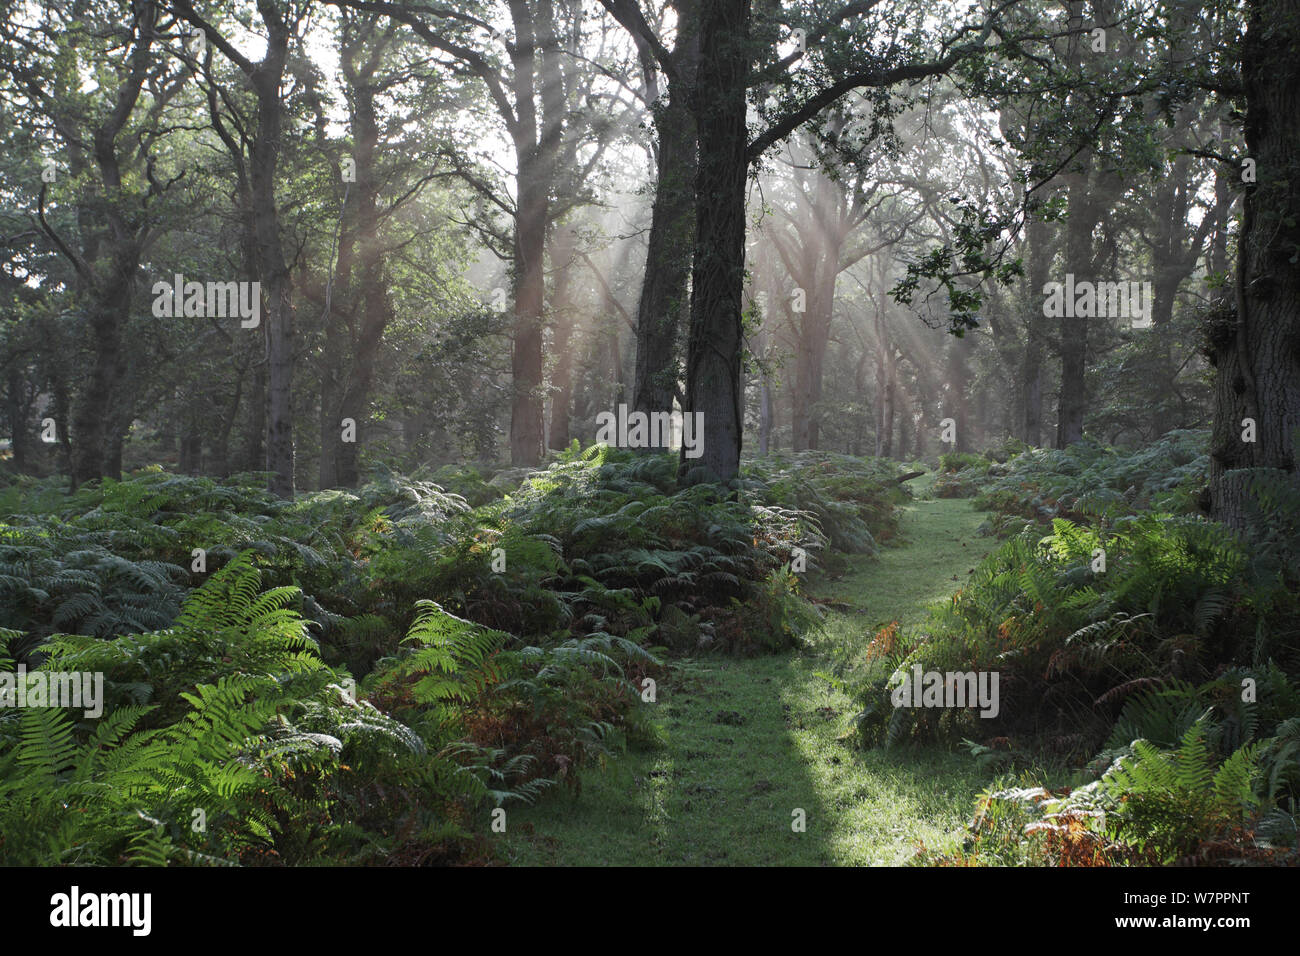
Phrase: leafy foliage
pixel 1087 481
pixel 225 738
pixel 1188 802
pixel 1069 638
pixel 1156 640
pixel 498 649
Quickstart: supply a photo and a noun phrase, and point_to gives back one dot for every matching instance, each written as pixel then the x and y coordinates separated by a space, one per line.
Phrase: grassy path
pixel 743 743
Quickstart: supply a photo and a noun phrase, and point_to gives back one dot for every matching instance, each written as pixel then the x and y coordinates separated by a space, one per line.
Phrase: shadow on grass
pixel 745 743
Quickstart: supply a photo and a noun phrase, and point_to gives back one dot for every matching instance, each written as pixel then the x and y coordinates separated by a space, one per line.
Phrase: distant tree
pixel 100 113
pixel 256 149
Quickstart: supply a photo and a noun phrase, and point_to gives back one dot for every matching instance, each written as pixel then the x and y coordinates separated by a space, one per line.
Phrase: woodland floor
pixel 743 742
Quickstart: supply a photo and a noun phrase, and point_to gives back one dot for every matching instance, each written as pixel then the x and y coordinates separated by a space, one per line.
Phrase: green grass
pixel 939 552
pixel 743 743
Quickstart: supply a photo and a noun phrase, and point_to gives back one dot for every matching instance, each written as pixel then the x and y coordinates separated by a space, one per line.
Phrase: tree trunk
pixel 814 336
pixel 264 155
pixel 221 442
pixel 1256 351
pixel 61 412
pixel 861 398
pixel 536 140
pixel 191 451
pixel 1031 375
pixel 376 314
pixel 254 456
pixel 563 310
pixel 94 413
pixel 713 372
pixel 885 423
pixel 1073 398
pixel 355 333
pixel 906 418
pixel 958 408
pixel 1082 217
pixel 618 390
pixel 664 290
pixel 112 248
pixel 886 388
pixel 526 408
pixel 765 409
pixel 342 304
pixel 17 411
pixel 331 401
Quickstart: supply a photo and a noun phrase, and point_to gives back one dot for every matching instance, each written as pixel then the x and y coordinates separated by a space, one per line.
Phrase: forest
pixel 678 433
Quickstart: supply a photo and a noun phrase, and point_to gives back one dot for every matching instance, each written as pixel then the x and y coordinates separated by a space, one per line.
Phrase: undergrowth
pixel 360 676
